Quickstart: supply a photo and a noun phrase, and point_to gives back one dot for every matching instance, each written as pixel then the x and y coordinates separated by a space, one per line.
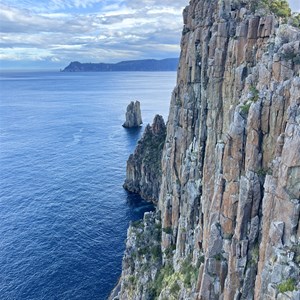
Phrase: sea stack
pixel 133 115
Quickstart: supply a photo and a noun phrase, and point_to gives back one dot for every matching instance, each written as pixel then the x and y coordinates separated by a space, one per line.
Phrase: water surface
pixel 63 152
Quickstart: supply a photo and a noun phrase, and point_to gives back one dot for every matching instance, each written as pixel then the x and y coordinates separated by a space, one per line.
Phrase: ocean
pixel 63 212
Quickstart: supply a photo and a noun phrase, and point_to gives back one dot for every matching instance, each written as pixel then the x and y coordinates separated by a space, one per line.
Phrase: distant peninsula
pixel 167 64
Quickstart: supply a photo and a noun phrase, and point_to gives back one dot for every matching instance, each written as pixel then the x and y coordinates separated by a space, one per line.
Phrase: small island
pixel 144 65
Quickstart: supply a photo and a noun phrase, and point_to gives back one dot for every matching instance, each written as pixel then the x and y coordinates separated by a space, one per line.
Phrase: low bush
pixel 287 285
pixel 280 8
pixel 245 108
pixel 167 230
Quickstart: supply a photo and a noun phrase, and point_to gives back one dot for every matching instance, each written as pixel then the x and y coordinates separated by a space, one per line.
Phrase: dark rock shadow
pixel 136 202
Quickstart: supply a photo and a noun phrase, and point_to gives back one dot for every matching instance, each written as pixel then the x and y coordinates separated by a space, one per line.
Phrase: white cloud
pixel 91 30
pixel 65 30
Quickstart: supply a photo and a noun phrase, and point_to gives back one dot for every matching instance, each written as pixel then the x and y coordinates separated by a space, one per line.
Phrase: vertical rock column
pixel 133 115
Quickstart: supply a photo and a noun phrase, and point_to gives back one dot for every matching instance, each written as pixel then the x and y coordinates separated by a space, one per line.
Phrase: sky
pixel 50 34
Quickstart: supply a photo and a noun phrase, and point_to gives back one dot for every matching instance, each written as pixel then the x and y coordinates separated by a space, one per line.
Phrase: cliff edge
pixel 229 205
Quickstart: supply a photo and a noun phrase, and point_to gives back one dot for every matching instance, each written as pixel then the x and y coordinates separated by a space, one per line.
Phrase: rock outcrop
pixel 133 115
pixel 143 173
pixel 229 200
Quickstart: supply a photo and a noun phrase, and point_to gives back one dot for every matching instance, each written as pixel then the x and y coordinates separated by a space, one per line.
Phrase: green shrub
pixel 256 4
pixel 287 285
pixel 169 251
pixel 280 8
pixel 296 250
pixel 263 172
pixel 245 108
pixel 131 280
pixel 158 226
pixel 255 253
pixel 167 230
pixel 255 93
pixel 295 20
pixel 137 224
pixel 200 261
pixel 227 236
pixel 160 281
pixel 142 251
pixel 188 280
pixel 156 252
pixel 189 271
pixel 175 288
pixel 219 257
pixel 157 232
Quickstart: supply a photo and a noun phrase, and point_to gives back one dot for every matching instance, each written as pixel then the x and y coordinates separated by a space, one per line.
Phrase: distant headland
pixel 167 64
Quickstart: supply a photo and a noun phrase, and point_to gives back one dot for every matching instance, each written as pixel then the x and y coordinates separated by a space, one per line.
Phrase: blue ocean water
pixel 63 151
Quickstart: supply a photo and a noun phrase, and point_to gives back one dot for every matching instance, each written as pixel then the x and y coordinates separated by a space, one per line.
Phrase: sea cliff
pixel 143 172
pixel 226 224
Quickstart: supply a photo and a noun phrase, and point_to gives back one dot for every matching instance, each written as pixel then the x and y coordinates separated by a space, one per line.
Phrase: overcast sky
pixel 50 34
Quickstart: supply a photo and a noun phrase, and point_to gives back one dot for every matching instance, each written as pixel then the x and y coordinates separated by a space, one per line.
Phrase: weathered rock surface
pixel 230 195
pixel 143 172
pixel 140 263
pixel 133 115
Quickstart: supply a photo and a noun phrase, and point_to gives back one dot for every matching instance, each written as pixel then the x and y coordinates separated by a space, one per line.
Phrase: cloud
pixel 89 30
pixel 60 31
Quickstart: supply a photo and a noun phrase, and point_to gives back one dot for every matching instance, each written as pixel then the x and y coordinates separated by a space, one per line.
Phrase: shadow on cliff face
pixel 138 204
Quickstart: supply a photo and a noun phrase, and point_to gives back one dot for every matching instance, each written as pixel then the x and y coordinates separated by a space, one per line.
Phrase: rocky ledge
pixel 133 115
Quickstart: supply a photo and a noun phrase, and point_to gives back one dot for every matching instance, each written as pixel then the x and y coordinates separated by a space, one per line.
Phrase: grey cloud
pixel 99 36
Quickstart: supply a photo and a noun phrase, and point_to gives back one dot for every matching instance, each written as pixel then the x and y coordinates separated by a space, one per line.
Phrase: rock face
pixel 230 195
pixel 143 173
pixel 133 115
pixel 140 263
